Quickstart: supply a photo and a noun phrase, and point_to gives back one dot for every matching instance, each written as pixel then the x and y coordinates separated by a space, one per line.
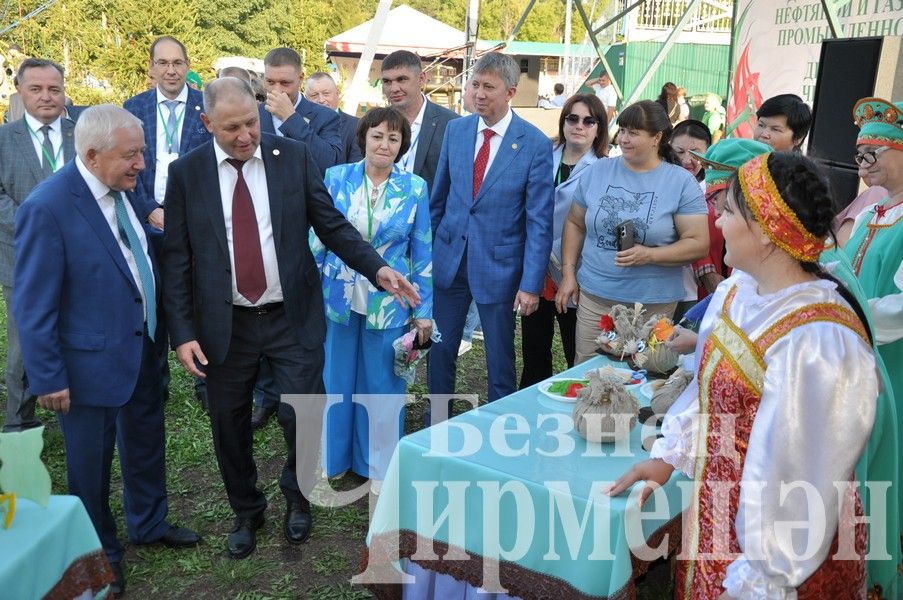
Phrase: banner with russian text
pixel 777 45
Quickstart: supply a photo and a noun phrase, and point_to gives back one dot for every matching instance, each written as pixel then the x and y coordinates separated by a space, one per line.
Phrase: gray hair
pixel 320 76
pixel 223 88
pixel 96 125
pixel 237 72
pixel 36 63
pixel 499 64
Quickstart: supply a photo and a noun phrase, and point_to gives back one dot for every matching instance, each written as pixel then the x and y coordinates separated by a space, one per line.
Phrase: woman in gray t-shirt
pixel 642 191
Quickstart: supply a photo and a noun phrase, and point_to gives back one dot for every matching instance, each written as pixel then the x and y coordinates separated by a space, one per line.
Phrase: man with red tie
pixel 241 284
pixel 491 209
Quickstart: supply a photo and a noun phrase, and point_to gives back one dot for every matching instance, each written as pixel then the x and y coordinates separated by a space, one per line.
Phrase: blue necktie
pixel 172 126
pixel 129 237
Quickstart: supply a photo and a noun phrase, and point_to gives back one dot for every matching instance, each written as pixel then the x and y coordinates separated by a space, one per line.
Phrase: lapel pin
pixel 514 146
pixel 275 151
pixel 196 107
pixel 306 120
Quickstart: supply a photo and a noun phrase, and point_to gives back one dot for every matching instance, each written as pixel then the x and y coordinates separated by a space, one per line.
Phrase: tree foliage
pixel 103 43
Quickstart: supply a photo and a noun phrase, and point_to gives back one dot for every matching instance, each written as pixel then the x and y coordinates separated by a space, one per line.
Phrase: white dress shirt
pixel 495 142
pixel 164 157
pixel 102 194
pixel 255 177
pixel 277 122
pixel 407 161
pixel 56 139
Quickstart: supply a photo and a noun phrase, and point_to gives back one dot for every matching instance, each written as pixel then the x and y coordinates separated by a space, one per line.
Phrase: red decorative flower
pixel 606 323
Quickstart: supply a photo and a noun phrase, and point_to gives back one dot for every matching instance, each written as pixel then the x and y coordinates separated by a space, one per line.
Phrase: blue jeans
pixel 472 321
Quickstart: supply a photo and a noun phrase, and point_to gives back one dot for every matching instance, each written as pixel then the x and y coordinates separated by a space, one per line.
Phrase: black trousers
pixel 537 333
pixel 297 370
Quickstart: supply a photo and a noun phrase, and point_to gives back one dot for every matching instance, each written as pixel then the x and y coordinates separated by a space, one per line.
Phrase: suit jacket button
pixel 138 300
pixel 464 237
pixel 138 333
pixel 473 211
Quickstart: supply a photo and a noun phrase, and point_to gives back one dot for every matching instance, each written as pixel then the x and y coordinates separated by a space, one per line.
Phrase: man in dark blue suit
pixel 491 207
pixel 320 88
pixel 86 301
pixel 171 116
pixel 287 113
pixel 238 214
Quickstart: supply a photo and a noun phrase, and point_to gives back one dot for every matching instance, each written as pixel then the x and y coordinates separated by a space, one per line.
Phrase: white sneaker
pixel 477 334
pixel 464 348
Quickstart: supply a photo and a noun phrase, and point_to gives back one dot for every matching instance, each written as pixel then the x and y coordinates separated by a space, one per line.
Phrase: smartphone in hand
pixel 624 233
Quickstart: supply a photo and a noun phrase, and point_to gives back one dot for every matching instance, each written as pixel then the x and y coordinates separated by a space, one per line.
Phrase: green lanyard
pixel 169 134
pixel 50 159
pixel 370 206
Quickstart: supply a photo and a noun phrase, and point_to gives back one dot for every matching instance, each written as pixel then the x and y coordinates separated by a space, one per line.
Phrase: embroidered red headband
pixel 778 221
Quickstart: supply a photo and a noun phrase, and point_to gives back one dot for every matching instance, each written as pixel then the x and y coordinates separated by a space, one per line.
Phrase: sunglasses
pixel 587 121
pixel 870 157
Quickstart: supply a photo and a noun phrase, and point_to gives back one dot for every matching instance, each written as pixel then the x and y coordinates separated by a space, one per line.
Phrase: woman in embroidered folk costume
pixel 390 209
pixel 783 399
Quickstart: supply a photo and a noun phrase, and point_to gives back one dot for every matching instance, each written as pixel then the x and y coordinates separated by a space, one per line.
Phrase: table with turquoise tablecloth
pixel 577 543
pixel 52 552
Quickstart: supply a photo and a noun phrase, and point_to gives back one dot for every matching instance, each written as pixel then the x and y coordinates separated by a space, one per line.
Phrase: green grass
pixel 330 562
pixel 317 570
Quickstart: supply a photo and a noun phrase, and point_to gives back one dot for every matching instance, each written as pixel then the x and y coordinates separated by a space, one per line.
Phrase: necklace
pixel 372 200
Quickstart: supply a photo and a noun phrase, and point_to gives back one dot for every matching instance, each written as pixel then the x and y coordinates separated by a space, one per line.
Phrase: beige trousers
pixel 590 308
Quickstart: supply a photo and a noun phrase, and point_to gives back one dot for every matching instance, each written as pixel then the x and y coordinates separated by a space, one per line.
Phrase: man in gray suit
pixel 403 81
pixel 31 149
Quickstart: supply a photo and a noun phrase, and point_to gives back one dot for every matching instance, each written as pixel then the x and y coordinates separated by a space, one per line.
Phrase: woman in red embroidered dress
pixel 780 410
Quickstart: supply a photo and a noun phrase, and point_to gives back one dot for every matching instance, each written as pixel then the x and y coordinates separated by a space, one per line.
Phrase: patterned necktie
pixel 250 276
pixel 172 126
pixel 46 166
pixel 129 238
pixel 479 165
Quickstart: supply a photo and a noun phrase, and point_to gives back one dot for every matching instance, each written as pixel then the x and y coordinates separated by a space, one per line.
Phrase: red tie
pixel 479 165
pixel 250 277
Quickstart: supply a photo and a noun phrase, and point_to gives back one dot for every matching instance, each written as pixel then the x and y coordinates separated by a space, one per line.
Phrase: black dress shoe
pixel 180 537
pixel 261 415
pixel 297 524
pixel 243 538
pixel 117 588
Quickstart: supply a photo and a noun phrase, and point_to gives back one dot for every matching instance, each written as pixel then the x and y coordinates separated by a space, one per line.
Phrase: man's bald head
pixel 230 115
pixel 226 87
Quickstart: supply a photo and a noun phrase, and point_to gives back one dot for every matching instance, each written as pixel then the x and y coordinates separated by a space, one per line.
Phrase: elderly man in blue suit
pixel 287 113
pixel 320 88
pixel 86 301
pixel 491 209
pixel 171 117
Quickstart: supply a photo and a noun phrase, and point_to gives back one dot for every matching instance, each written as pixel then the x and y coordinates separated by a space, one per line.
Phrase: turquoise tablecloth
pixel 548 496
pixel 51 552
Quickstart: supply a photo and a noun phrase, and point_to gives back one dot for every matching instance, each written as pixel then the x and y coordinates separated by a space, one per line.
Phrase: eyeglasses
pixel 587 121
pixel 870 157
pixel 176 64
